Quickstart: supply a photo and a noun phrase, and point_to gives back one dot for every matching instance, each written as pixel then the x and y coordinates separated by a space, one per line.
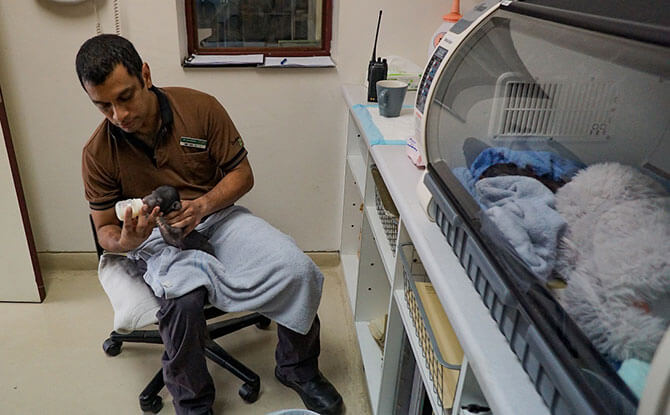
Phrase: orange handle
pixel 455 14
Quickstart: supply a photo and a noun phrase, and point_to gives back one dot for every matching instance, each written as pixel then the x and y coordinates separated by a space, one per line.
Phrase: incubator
pixel 546 127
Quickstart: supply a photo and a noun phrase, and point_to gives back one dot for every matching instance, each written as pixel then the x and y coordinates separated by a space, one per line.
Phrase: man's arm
pixel 114 237
pixel 235 184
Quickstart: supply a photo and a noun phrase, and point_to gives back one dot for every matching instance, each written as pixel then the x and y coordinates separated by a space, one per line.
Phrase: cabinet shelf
pixel 372 361
pixel 350 269
pixel 470 392
pixel 357 166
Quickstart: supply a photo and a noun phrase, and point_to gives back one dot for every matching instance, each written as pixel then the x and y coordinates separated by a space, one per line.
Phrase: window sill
pixel 258 60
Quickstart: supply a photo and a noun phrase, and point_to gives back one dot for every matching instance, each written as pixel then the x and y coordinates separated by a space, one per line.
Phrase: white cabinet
pixel 490 374
pixel 366 273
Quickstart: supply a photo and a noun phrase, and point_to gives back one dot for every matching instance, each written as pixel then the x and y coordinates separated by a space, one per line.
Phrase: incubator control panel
pixel 428 76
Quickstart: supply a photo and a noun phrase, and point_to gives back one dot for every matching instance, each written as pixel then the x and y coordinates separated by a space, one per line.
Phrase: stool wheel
pixel 112 347
pixel 263 323
pixel 249 392
pixel 151 404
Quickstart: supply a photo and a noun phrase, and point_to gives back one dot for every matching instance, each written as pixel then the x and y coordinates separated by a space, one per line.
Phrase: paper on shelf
pixel 446 339
pixel 221 60
pixel 299 62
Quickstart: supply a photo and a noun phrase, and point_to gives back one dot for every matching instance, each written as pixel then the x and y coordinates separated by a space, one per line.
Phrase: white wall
pixel 292 119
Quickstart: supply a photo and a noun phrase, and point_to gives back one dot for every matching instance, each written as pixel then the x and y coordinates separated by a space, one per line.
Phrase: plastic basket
pixel 437 366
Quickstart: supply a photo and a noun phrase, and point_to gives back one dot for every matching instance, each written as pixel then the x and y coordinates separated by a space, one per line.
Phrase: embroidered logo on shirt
pixel 239 142
pixel 193 142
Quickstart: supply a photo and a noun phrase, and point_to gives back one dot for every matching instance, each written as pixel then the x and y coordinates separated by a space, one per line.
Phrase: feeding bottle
pixel 121 206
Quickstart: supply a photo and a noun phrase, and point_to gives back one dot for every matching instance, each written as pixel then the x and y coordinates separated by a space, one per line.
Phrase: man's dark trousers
pixel 182 326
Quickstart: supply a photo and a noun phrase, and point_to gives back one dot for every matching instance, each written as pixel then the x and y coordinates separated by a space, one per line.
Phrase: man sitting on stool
pixel 184 138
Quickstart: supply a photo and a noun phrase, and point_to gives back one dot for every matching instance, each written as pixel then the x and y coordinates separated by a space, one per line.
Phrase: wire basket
pixel 441 372
pixel 389 222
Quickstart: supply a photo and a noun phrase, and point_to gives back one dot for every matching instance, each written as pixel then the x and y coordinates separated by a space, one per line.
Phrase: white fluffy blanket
pixel 615 256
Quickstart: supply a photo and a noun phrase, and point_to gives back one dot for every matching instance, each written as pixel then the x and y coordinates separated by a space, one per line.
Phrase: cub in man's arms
pixel 167 199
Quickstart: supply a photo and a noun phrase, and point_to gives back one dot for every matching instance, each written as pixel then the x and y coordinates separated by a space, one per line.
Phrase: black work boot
pixel 318 394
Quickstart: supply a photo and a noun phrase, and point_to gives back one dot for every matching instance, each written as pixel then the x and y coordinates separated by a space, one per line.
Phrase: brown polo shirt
pixel 195 147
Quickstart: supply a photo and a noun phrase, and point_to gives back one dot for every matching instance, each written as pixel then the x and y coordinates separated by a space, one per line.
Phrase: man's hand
pixel 137 230
pixel 234 184
pixel 190 215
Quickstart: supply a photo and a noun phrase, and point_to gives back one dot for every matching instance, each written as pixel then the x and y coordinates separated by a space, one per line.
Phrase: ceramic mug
pixel 390 96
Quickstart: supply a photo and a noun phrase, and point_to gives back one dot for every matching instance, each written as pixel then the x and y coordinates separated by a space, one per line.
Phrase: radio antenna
pixel 374 48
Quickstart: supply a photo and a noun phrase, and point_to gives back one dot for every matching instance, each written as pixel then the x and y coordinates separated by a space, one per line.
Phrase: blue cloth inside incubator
pixel 542 162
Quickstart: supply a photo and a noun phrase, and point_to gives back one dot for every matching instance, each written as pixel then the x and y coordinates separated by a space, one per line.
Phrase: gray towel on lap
pixel 523 209
pixel 256 267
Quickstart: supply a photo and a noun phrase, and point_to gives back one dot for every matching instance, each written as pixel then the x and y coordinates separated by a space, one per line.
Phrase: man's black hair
pixel 99 55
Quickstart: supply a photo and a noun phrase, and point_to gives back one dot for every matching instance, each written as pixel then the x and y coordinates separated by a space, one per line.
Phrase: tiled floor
pixel 51 359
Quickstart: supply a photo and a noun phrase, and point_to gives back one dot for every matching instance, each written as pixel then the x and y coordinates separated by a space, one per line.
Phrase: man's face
pixel 122 99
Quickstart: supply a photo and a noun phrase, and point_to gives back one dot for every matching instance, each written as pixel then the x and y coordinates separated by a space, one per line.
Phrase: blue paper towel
pixel 634 372
pixel 373 131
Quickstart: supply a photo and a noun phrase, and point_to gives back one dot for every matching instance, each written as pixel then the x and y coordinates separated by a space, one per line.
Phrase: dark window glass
pixel 273 27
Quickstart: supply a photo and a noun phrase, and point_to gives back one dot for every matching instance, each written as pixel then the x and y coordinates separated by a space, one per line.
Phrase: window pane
pixel 259 23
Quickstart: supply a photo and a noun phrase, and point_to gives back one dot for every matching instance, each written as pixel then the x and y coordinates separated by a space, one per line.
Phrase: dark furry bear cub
pixel 167 199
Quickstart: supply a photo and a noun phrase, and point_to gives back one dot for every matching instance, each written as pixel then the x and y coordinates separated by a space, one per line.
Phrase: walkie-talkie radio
pixel 377 68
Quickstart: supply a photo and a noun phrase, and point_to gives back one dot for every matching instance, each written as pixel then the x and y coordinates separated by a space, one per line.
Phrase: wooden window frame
pixel 324 50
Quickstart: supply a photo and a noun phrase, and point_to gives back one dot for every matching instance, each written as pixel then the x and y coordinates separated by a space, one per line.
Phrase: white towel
pixel 134 304
pixel 256 268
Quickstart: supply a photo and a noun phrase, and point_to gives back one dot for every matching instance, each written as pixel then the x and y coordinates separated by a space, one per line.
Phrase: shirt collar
pixel 164 107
